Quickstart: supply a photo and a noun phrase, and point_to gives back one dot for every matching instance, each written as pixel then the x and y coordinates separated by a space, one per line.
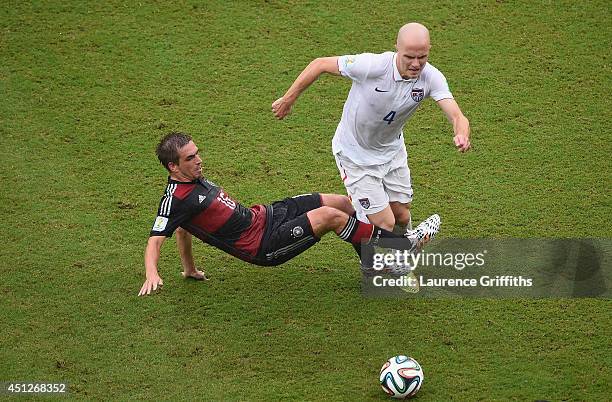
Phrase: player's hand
pixel 196 274
pixel 151 284
pixel 281 107
pixel 462 142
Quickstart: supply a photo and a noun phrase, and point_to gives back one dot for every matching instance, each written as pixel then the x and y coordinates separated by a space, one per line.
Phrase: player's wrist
pixel 290 97
pixel 151 273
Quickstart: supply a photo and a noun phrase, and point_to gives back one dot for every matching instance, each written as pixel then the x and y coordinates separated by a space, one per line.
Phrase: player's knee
pixel 403 218
pixel 333 217
pixel 347 205
pixel 402 215
pixel 341 202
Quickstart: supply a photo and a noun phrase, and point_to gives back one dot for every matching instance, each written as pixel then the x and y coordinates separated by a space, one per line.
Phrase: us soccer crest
pixel 417 94
pixel 365 202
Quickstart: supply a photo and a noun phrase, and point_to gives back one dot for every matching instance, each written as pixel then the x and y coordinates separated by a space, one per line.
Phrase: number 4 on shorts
pixel 389 117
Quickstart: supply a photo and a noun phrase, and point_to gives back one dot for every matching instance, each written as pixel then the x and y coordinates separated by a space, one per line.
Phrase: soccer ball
pixel 401 377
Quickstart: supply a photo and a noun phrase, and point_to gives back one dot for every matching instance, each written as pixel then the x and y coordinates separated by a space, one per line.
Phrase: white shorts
pixel 371 188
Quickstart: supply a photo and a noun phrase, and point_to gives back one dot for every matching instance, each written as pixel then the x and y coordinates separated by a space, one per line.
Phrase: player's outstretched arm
pixel 461 125
pixel 282 106
pixel 152 251
pixel 183 242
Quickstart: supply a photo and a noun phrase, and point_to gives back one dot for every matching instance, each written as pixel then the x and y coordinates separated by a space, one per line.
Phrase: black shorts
pixel 288 231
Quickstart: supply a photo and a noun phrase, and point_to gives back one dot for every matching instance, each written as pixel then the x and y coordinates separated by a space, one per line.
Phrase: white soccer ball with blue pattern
pixel 401 377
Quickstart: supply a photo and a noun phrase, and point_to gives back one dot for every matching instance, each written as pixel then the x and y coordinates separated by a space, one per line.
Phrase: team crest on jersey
pixel 365 202
pixel 417 94
pixel 297 232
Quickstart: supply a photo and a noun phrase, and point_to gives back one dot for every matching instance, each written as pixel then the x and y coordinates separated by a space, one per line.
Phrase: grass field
pixel 87 90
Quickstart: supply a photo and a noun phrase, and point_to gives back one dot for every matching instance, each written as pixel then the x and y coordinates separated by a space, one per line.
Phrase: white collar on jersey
pixel 396 74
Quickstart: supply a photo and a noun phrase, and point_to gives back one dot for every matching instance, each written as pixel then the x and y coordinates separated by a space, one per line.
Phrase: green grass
pixel 89 88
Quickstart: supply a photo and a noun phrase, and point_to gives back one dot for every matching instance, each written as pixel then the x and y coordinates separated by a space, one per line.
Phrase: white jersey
pixel 379 104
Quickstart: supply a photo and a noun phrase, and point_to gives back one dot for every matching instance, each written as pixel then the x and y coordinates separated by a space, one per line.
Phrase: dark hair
pixel 168 148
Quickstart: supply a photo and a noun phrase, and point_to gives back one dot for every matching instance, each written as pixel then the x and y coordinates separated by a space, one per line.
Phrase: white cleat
pixel 424 232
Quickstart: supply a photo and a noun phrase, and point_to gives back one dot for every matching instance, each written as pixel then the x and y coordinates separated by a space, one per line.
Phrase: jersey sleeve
pixel 170 216
pixel 439 87
pixel 355 67
pixel 362 66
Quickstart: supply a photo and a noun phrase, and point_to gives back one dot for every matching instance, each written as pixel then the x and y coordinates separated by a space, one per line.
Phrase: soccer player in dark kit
pixel 266 235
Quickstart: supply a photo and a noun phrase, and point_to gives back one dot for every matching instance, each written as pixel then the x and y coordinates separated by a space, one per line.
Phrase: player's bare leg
pixel 341 202
pixel 327 219
pixel 344 204
pixel 384 219
pixel 403 218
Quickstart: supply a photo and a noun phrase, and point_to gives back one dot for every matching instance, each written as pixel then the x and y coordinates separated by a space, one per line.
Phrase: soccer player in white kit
pixel 368 144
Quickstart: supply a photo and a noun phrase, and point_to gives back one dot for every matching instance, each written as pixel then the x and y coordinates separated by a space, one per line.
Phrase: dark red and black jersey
pixel 206 211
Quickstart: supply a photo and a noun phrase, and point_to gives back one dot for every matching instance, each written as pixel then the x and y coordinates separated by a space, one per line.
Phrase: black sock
pixel 357 247
pixel 364 236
